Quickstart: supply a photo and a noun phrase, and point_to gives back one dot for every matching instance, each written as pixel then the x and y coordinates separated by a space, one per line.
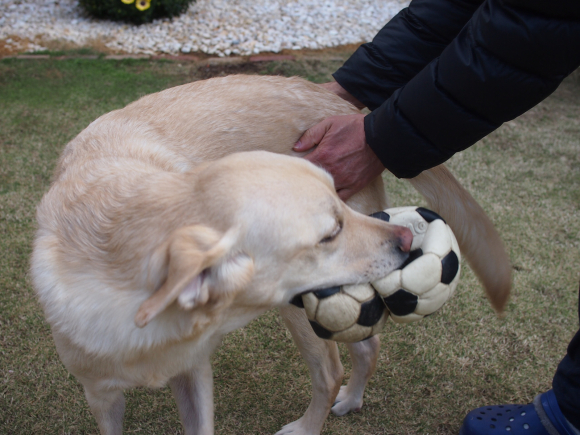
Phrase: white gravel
pixel 217 27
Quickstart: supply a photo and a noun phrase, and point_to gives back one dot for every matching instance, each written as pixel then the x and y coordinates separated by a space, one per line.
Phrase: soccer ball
pixel 348 313
pixel 430 275
pixel 419 287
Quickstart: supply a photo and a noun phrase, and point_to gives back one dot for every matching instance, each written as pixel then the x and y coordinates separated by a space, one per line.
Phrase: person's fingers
pixel 312 136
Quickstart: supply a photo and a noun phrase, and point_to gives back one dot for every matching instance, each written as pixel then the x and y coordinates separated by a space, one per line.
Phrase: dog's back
pixel 206 120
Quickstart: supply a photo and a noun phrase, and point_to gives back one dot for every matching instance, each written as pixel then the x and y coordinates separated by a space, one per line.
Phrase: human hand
pixel 342 150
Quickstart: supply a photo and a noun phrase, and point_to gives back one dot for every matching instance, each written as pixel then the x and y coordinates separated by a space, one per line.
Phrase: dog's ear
pixel 203 269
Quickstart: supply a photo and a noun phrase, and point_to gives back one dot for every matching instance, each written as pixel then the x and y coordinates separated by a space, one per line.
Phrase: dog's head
pixel 267 228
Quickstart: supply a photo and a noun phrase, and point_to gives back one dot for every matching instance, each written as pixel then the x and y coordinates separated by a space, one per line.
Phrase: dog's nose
pixel 404 238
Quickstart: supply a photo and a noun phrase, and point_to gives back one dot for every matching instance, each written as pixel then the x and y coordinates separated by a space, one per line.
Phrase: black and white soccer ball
pixel 431 273
pixel 348 313
pixel 419 287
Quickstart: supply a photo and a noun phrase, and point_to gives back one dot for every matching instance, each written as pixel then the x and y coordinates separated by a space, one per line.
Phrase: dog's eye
pixel 332 235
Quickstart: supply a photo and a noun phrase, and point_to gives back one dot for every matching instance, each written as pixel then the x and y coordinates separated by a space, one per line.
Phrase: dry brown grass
pixel 526 175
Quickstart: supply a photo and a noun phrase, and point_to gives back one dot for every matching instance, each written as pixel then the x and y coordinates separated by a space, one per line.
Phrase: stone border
pixel 182 58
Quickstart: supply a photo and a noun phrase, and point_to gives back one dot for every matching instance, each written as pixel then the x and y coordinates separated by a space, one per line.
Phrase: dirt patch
pixel 208 71
pixel 13 45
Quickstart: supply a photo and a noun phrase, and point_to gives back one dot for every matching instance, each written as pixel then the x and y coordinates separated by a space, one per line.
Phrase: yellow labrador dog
pixel 168 225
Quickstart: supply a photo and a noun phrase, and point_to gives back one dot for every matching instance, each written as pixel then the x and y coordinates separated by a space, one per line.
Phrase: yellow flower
pixel 143 4
pixel 127 2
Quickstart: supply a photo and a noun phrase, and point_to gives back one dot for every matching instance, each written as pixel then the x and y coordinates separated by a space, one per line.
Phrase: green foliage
pixel 137 12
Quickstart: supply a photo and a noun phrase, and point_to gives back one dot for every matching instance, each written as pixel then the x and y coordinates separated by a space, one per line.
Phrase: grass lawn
pixel 526 176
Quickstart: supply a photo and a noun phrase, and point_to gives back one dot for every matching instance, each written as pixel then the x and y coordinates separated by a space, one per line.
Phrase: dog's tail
pixel 478 239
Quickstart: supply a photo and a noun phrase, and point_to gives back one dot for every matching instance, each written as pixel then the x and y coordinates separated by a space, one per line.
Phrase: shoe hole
pixel 500 406
pixel 494 419
pixel 481 412
pixel 523 413
pixel 508 410
pixel 508 428
pixel 499 414
pixel 479 418
pixel 489 409
pixel 492 426
pixel 512 419
pixel 526 426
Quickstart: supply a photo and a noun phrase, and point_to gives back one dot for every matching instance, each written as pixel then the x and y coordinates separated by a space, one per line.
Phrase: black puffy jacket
pixel 442 74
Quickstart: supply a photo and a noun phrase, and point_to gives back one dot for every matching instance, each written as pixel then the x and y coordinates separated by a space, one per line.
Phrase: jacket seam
pixel 446 94
pixel 516 68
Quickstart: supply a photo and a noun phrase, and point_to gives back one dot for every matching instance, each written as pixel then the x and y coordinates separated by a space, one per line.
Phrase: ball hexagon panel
pixel 428 215
pixel 371 311
pixel 413 255
pixel 433 300
pixel 352 334
pixel 320 331
pixel 338 313
pixel 310 304
pixel 388 285
pixel 381 215
pixel 422 274
pixel 450 267
pixel 360 292
pixel 437 239
pixel 401 302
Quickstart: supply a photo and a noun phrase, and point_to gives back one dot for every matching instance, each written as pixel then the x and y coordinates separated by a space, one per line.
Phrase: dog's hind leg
pixel 325 371
pixel 193 392
pixel 108 407
pixel 364 356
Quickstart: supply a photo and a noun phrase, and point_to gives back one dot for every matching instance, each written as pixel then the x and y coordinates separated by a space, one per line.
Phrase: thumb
pixel 312 137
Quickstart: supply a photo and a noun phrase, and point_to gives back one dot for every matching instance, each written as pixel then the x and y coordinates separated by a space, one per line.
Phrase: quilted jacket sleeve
pixel 413 38
pixel 503 61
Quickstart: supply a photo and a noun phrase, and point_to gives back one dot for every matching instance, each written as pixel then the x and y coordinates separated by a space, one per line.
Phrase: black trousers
pixel 566 381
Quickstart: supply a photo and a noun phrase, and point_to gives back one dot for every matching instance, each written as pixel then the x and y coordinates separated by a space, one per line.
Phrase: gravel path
pixel 216 27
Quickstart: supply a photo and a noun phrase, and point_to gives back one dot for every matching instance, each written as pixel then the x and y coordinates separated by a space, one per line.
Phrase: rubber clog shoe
pixel 542 417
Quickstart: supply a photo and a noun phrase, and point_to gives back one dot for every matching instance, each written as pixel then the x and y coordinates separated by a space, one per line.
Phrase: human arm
pixel 503 62
pixel 402 48
pixel 397 53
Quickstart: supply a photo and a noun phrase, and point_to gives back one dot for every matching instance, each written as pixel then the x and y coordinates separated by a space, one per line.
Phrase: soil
pixel 10 49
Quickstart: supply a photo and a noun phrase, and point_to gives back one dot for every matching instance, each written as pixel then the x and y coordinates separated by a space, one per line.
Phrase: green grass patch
pixel 526 176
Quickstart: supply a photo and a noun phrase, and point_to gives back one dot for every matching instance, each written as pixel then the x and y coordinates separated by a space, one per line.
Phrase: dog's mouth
pixel 297 300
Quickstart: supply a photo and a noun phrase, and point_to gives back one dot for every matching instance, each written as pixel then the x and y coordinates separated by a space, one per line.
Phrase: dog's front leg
pixel 193 391
pixel 364 356
pixel 325 371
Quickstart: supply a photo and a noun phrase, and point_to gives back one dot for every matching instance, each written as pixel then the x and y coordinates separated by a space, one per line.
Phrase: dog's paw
pixel 296 428
pixel 346 402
